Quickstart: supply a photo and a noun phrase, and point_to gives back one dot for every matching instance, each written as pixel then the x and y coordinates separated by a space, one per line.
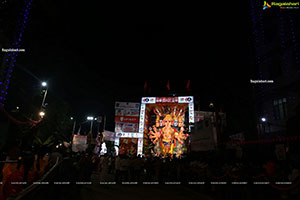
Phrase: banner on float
pixel 126 127
pixel 128 105
pixel 129 112
pixel 129 135
pixel 180 99
pixel 126 122
pixel 126 119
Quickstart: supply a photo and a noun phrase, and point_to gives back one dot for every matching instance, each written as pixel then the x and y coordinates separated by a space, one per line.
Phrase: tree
pixel 57 121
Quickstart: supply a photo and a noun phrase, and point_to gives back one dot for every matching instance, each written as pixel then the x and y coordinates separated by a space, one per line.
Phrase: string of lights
pixel 10 61
pixel 258 38
pixel 294 41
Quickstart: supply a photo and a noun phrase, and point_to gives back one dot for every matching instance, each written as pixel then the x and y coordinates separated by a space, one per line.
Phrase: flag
pixel 145 86
pixel 188 84
pixel 168 85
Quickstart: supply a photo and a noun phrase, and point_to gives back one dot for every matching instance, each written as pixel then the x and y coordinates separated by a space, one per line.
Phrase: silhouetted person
pixel 3 155
pixel 28 161
pixel 138 166
pixel 117 168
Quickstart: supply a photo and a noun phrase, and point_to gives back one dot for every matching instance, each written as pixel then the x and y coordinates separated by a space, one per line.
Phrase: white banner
pixel 79 143
pixel 129 135
pixel 109 136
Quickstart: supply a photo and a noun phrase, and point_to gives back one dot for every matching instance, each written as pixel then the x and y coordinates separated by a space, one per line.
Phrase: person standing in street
pixel 117 169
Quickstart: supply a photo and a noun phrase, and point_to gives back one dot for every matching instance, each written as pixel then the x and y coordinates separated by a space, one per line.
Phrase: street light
pixel 44 84
pixel 42 114
pixel 262 126
pixel 91 119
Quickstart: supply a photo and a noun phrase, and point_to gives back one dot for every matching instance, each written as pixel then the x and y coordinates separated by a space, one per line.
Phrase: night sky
pixel 94 53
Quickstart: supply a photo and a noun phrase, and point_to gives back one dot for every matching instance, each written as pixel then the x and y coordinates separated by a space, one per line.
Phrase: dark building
pixel 276 40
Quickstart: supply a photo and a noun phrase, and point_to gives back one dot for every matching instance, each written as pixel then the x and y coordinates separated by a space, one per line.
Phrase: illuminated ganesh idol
pixel 168 132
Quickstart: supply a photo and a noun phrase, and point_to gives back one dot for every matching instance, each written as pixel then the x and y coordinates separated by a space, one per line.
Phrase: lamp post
pixel 262 127
pixel 43 106
pixel 91 119
pixel 44 85
pixel 216 124
pixel 265 122
pixel 74 125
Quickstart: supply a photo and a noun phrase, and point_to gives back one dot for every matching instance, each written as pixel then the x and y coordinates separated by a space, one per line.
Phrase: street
pixel 115 191
pixel 136 191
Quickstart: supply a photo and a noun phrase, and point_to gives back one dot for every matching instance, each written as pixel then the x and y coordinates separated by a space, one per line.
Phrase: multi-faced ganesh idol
pixel 167 139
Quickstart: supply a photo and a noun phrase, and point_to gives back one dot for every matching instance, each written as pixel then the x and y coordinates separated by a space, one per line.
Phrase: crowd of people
pixel 138 169
pixel 191 168
pixel 207 169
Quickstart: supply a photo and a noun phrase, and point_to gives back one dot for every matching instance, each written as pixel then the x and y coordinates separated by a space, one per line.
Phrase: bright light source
pixel 90 118
pixel 263 119
pixel 42 114
pixel 95 118
pixel 71 118
pixel 44 84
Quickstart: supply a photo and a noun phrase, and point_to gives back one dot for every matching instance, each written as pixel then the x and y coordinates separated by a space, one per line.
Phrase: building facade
pixel 276 41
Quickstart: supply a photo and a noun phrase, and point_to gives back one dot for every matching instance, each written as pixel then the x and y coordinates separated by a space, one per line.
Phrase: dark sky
pixel 94 53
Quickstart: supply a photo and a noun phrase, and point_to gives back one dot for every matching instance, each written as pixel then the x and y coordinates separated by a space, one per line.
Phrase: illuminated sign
pixel 181 110
pixel 172 115
pixel 126 122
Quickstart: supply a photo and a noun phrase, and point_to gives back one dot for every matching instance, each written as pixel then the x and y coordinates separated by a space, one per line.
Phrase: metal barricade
pixel 27 191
